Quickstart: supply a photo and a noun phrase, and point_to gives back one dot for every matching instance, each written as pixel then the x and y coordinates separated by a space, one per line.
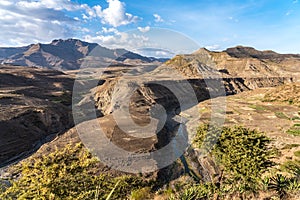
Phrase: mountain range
pixel 237 61
pixel 70 54
pixel 67 55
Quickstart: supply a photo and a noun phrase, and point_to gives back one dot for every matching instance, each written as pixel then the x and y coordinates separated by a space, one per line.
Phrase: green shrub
pixel 68 174
pixel 65 98
pixel 297 153
pixel 296 118
pixel 243 154
pixel 290 146
pixel 294 130
pixel 292 167
pixel 284 186
pixel 280 184
pixel 196 192
pixel 141 194
pixel 281 115
pixel 258 107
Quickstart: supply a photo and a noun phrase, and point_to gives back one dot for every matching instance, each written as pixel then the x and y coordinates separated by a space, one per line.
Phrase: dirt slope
pixel 34 105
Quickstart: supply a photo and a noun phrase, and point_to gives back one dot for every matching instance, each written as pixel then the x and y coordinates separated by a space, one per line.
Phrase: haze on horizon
pixel 216 25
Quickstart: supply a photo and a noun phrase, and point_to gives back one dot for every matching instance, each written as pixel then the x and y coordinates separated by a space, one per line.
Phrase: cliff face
pixel 34 108
pixel 233 71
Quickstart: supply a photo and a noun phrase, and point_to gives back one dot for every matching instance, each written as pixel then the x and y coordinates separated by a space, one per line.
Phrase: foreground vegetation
pixel 289 93
pixel 70 173
pixel 243 156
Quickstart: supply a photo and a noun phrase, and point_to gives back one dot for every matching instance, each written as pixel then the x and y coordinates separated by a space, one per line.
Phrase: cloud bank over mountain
pixel 27 21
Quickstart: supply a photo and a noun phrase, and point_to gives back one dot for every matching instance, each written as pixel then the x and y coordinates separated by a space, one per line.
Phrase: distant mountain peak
pixel 56 41
pixel 201 51
pixel 66 54
pixel 250 52
pixel 71 42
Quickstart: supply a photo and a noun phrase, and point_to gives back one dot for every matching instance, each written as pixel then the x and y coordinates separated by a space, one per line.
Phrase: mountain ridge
pixel 246 52
pixel 67 54
pixel 236 61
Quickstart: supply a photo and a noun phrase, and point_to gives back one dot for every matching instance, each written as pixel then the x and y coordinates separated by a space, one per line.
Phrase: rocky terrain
pixel 254 109
pixel 37 101
pixel 203 70
pixel 35 107
pixel 238 62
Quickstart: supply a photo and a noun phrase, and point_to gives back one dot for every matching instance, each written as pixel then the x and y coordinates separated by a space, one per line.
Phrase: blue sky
pixel 217 25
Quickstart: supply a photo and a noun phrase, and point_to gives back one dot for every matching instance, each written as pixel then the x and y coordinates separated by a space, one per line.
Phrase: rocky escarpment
pixel 202 75
pixel 237 62
pixel 34 107
pixel 150 93
pixel 205 72
pixel 209 77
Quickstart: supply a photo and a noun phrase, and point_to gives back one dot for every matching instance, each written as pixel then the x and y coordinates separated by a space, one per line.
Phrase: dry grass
pixel 287 93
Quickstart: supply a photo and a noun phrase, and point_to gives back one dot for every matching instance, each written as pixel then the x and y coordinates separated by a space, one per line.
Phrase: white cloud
pixel 85 30
pixel 156 52
pixel 115 14
pixel 129 41
pixel 30 21
pixel 109 30
pixel 23 22
pixel 158 18
pixel 98 10
pixel 84 16
pixel 233 19
pixel 144 29
pixel 214 47
pixel 5 3
pixel 27 21
pixel 289 12
pixel 111 41
pixel 50 4
pixel 101 39
pixel 161 54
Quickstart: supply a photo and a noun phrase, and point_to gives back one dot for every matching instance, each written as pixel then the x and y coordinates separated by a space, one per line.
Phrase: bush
pixel 284 186
pixel 140 194
pixel 281 115
pixel 297 153
pixel 68 174
pixel 196 192
pixel 243 154
pixel 292 167
pixel 294 130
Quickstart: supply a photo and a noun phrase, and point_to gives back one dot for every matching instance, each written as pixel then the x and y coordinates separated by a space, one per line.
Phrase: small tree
pixel 243 154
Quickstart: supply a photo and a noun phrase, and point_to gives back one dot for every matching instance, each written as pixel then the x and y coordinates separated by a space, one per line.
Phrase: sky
pixel 157 26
